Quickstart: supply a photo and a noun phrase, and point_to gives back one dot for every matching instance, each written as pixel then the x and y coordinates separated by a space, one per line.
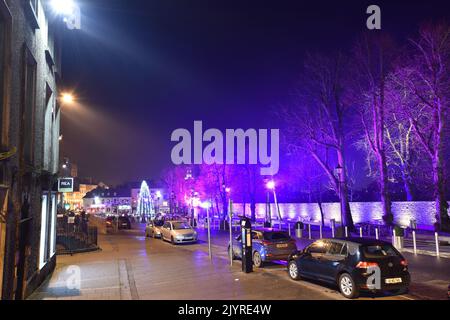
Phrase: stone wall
pixel 423 212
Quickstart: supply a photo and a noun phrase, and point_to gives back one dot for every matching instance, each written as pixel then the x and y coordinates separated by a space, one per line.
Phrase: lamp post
pixel 230 223
pixel 271 186
pixel 339 172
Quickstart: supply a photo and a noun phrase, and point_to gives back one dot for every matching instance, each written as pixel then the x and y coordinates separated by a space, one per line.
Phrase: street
pixel 132 267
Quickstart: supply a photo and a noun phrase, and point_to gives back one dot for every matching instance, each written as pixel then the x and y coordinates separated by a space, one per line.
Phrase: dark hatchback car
pixel 268 245
pixel 124 222
pixel 353 264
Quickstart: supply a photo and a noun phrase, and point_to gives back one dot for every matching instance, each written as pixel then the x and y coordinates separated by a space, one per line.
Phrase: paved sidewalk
pixel 133 267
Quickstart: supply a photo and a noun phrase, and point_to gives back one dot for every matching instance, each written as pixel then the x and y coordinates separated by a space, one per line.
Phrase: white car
pixel 178 232
pixel 153 229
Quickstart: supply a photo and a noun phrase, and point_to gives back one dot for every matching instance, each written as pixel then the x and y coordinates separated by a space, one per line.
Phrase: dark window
pixel 379 251
pixel 29 106
pixel 276 236
pixel 318 247
pixel 35 6
pixel 335 248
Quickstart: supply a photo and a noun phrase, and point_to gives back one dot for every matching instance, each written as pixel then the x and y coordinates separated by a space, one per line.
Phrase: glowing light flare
pixel 67 98
pixel 271 185
pixel 63 7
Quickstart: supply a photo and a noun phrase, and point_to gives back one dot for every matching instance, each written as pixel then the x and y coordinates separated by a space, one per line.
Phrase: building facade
pixel 74 200
pixel 30 130
pixel 108 201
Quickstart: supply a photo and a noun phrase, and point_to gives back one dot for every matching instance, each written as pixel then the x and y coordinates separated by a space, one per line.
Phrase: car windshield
pixel 276 236
pixel 181 226
pixel 158 223
pixel 379 251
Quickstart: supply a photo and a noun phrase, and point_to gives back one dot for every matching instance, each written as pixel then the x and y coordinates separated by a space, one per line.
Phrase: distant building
pixel 75 199
pixel 108 201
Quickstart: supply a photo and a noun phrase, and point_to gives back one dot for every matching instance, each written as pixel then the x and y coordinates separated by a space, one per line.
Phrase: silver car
pixel 153 228
pixel 178 232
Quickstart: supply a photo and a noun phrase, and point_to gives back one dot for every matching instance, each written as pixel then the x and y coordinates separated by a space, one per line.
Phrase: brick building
pixel 29 155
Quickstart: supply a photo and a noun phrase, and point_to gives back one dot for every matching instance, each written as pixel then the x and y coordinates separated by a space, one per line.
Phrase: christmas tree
pixel 144 207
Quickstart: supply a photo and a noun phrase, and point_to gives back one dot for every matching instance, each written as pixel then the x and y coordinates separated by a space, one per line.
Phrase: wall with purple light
pixel 423 212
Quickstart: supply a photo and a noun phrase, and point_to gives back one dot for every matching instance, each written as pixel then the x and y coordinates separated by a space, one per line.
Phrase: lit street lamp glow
pixel 67 98
pixel 271 185
pixel 63 7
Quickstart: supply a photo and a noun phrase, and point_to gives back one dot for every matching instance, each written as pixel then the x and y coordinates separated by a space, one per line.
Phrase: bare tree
pixel 426 76
pixel 316 123
pixel 372 61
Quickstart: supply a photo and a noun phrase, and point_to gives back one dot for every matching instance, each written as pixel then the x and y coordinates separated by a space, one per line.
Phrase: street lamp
pixel 67 98
pixel 271 187
pixel 63 7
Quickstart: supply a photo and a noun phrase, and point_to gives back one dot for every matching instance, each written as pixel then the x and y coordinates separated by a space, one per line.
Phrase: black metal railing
pixel 75 236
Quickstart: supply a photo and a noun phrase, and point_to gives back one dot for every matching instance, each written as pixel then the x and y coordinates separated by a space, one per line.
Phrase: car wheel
pixel 257 260
pixel 293 270
pixel 347 286
pixel 172 240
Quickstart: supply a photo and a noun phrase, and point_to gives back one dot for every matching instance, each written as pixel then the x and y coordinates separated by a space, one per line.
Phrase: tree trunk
pixel 407 184
pixel 347 219
pixel 388 217
pixel 253 208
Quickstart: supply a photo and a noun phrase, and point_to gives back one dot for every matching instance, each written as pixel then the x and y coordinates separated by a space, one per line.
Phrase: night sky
pixel 143 68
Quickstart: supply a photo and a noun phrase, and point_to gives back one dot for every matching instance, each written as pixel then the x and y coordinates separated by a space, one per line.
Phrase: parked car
pixel 153 228
pixel 178 232
pixel 110 222
pixel 353 264
pixel 268 245
pixel 124 222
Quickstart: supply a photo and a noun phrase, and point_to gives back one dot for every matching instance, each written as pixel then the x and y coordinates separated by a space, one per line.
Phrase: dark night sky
pixel 142 68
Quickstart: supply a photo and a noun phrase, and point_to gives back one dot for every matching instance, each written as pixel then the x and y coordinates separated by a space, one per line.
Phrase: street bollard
pixel 332 230
pixel 414 241
pixel 436 237
pixel 320 230
pixel 360 232
pixel 309 231
pixel 289 228
pixel 346 231
pixel 376 233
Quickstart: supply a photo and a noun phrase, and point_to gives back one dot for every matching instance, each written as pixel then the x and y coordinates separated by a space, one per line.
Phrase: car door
pixel 332 261
pixel 237 246
pixel 310 262
pixel 165 230
pixel 149 229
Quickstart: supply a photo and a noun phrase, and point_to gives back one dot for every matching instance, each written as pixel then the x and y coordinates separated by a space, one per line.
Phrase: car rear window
pixel 379 251
pixel 276 236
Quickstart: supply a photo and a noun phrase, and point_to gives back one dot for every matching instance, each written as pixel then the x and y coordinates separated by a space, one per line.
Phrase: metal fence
pixel 75 236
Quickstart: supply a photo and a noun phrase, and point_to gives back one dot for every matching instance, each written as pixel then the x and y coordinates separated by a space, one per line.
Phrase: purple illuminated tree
pixel 316 123
pixel 426 77
pixel 372 62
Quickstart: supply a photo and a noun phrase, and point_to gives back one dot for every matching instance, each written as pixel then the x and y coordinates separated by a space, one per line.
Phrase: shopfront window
pixel 43 257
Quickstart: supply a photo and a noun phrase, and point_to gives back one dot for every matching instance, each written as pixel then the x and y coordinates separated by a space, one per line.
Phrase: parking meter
pixel 246 235
pixel 333 227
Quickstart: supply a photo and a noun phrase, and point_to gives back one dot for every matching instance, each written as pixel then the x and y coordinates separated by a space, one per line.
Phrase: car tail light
pixel 265 243
pixel 404 263
pixel 365 265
